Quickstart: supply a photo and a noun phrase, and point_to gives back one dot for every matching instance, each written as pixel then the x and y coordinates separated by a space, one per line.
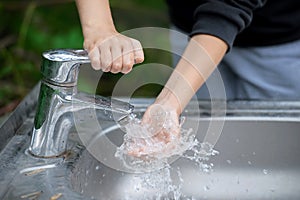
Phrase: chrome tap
pixel 59 99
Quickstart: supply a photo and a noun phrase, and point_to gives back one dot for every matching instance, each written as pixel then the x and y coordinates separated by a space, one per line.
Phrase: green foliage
pixel 27 28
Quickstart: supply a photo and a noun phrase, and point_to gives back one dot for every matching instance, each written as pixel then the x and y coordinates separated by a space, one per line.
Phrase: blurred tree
pixel 26 29
pixel 29 27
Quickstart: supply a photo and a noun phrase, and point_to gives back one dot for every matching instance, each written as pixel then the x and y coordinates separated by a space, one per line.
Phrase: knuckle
pixel 106 64
pixel 137 43
pixel 116 55
pixel 114 40
pixel 95 61
pixel 88 45
pixel 126 43
pixel 106 69
pixel 127 65
pixel 117 66
pixel 139 59
pixel 114 71
pixel 95 65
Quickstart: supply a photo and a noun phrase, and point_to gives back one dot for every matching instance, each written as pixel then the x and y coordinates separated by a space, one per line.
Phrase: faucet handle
pixel 59 55
pixel 61 66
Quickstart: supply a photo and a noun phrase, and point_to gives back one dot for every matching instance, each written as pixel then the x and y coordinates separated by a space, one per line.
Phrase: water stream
pixel 153 167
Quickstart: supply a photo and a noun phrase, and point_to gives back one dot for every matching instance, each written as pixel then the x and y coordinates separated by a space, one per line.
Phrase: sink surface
pixel 259 158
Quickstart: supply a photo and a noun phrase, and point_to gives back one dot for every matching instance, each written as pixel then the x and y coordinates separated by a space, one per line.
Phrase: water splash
pixel 154 169
pixel 156 153
pixel 265 171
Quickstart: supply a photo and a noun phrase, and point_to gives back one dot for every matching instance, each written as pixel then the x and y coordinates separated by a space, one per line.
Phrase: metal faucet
pixel 59 99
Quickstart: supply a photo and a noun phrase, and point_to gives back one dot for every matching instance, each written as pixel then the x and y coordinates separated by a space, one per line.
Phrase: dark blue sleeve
pixel 224 18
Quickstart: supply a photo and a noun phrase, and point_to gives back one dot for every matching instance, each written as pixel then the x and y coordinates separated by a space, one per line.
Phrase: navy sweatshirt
pixel 239 22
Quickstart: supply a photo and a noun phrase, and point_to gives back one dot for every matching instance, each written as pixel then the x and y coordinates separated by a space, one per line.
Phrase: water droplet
pixel 237 140
pixel 206 188
pixel 272 190
pixel 137 189
pixel 158 174
pixel 97 167
pixel 249 162
pixel 265 171
pixel 228 161
pixel 105 112
pixel 254 153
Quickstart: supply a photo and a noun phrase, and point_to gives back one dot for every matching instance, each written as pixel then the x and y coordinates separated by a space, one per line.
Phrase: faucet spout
pixel 114 109
pixel 59 100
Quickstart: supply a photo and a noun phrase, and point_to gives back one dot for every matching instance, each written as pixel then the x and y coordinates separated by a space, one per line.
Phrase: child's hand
pixel 163 133
pixel 113 52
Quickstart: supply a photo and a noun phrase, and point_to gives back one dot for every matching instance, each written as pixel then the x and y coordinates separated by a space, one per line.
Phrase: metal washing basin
pixel 259 158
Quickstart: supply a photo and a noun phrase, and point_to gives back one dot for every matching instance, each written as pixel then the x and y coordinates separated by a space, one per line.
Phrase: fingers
pixel 138 51
pixel 105 58
pixel 94 56
pixel 117 61
pixel 116 54
pixel 128 57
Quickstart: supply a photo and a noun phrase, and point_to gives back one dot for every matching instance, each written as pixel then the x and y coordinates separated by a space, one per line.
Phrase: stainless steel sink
pixel 259 158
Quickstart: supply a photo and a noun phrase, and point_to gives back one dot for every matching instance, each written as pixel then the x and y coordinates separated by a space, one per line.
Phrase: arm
pixel 216 25
pixel 200 58
pixel 108 50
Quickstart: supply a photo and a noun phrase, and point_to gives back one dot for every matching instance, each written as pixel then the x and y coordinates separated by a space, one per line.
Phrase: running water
pixel 152 158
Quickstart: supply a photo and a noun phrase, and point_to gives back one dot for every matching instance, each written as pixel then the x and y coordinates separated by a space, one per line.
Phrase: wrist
pixel 168 99
pixel 95 35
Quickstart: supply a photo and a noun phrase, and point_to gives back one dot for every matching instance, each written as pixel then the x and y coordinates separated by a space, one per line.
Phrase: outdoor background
pixel 27 28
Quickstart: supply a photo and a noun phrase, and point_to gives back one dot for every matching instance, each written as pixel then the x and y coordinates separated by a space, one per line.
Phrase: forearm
pixel 108 50
pixel 95 16
pixel 200 58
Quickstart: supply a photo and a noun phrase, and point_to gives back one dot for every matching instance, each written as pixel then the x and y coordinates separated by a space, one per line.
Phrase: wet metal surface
pixel 259 159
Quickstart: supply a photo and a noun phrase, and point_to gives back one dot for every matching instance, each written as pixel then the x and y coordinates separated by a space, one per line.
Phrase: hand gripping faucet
pixel 59 99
